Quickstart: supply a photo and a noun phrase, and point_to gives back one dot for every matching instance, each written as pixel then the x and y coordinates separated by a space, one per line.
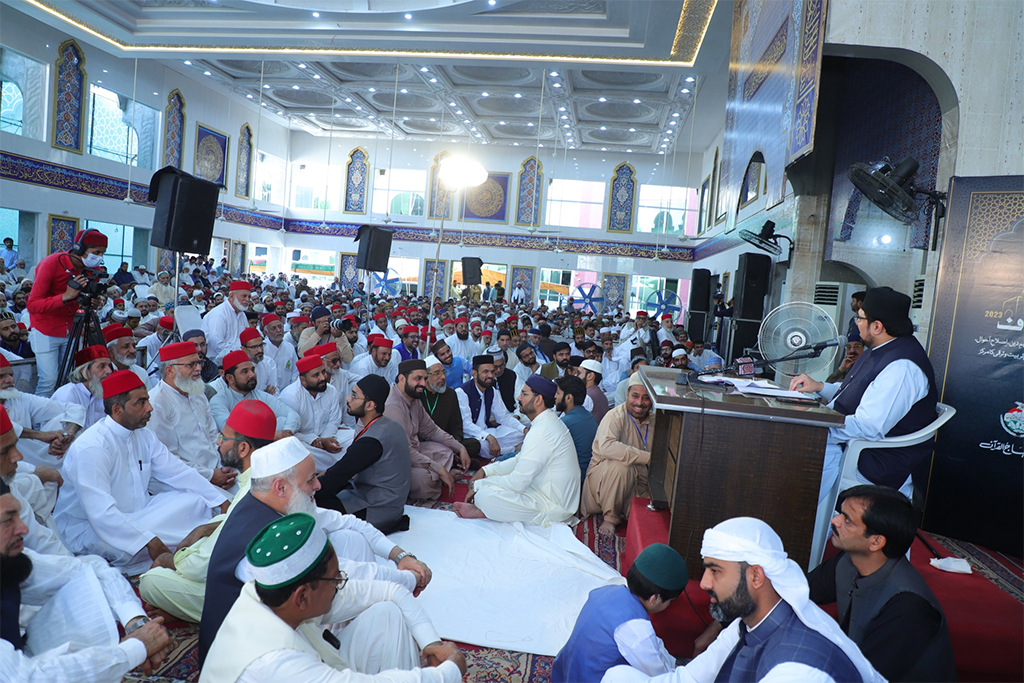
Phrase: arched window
pixel 12 108
pixel 109 136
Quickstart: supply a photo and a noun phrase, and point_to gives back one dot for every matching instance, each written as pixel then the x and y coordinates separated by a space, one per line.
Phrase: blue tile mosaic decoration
pixel 615 287
pixel 174 129
pixel 530 195
pixel 69 86
pixel 622 199
pixel 243 170
pixel 356 175
pixel 61 231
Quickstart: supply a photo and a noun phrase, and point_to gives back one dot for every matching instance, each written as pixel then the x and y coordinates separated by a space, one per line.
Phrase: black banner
pixel 976 490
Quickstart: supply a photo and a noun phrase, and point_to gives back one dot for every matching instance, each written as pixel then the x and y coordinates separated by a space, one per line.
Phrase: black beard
pixel 14 570
pixel 413 392
pixel 560 406
pixel 232 459
pixel 736 606
pixel 359 412
pixel 562 363
pixel 462 335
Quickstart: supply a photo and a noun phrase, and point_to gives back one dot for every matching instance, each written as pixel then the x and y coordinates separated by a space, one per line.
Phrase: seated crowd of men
pixel 251 471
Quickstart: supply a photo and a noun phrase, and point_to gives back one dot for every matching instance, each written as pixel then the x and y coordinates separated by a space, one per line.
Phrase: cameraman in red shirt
pixel 60 278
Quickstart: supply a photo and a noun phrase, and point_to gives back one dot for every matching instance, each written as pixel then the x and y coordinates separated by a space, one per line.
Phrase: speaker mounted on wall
pixel 186 208
pixel 374 248
pixel 753 279
pixel 700 290
pixel 471 266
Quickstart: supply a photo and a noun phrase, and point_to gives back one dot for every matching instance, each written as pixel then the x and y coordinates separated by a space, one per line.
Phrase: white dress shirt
pixel 185 425
pixel 509 431
pixel 78 393
pixel 365 365
pixel 266 375
pixel 284 357
pixel 319 416
pixel 225 400
pixel 222 326
pixel 35 412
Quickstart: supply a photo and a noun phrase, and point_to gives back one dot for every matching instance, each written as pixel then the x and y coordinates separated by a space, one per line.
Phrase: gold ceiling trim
pixel 690 31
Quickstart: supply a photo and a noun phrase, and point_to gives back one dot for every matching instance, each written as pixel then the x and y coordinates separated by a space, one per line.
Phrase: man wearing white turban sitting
pixel 777 633
pixel 275 629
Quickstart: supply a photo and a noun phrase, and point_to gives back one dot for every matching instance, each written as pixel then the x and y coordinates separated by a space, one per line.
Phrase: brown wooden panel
pixel 661 472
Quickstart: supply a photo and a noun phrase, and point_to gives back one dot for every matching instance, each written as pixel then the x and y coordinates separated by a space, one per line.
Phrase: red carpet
pixel 985 622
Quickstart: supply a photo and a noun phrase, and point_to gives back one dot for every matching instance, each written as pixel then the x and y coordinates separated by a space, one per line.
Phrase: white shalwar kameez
pixel 78 393
pixel 285 357
pixel 266 375
pixel 122 488
pixel 35 412
pixel 509 431
pixel 541 485
pixel 319 417
pixel 383 640
pixel 464 348
pixel 365 365
pixel 222 326
pixel 96 664
pixel 225 400
pixel 185 425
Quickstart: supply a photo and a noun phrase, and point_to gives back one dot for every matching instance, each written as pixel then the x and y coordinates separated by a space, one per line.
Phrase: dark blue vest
pixel 891 466
pixel 782 638
pixel 473 394
pixel 591 649
pixel 222 586
pixel 10 606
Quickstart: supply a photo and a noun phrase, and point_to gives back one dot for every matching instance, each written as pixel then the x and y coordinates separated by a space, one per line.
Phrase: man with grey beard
pixel 92 366
pixel 443 407
pixel 279 350
pixel 121 346
pixel 181 416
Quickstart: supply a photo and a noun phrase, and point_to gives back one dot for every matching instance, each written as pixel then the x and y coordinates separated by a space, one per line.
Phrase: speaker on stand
pixel 698 311
pixel 471 266
pixel 374 248
pixel 753 281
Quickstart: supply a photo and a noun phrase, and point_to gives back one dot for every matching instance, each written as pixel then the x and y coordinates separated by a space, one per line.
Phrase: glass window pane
pixel 575 203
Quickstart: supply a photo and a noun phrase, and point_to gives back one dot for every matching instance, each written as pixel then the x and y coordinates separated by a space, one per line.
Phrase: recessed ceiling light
pixel 207 73
pixel 424 69
pixel 405 118
pixel 629 150
pixel 689 79
pixel 408 16
pixel 515 144
pixel 565 125
pixel 248 96
pixel 373 90
pixel 671 123
pixel 685 91
pixel 604 128
pixel 664 139
pixel 295 87
pixel 156 93
pixel 451 104
pixel 660 152
pixel 485 94
pixel 632 130
pixel 104 71
pixel 636 101
pixel 501 123
pixel 316 77
pixel 188 62
pixel 604 149
pixel 433 80
pixel 561 109
pixel 372 116
pixel 667 132
pixel 433 119
pixel 557 85
pixel 403 91
pixel 541 144
pixel 99 81
pixel 337 116
pixel 459 112
pixel 517 96
pixel 602 99
pixel 280 113
pixel 530 125
pixel 265 86
pixel 664 146
pixel 316 15
pixel 553 73
pixel 348 99
pixel 302 66
pixel 473 129
pixel 465 120
pixel 492 3
pixel 359 108
pixel 264 104
pixel 676 115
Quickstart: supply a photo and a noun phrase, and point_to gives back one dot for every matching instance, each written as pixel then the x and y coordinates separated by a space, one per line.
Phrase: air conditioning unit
pixel 834 299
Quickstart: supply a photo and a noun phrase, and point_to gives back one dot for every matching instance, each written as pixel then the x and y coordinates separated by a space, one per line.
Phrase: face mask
pixel 93 260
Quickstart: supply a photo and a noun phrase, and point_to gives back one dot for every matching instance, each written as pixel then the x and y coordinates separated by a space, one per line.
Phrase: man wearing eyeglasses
pixel 266 369
pixel 181 414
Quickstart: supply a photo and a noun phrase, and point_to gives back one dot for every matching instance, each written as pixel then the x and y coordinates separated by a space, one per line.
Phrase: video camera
pixel 92 287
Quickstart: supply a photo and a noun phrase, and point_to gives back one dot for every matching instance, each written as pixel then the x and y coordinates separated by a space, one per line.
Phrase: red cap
pixel 123 381
pixel 336 307
pixel 270 318
pixel 475 323
pixel 350 317
pixel 234 358
pixel 4 363
pixel 240 286
pixel 372 339
pixel 276 304
pixel 461 319
pixel 91 238
pixel 301 319
pixel 379 316
pixel 384 342
pixel 667 343
pixel 667 316
pixel 178 350
pixel 487 333
pixel 321 350
pixel 166 322
pixel 5 419
pixel 309 362
pixel 118 301
pixel 254 419
pixel 21 326
pixel 640 314
pixel 115 331
pixel 248 334
pixel 448 321
pixel 90 353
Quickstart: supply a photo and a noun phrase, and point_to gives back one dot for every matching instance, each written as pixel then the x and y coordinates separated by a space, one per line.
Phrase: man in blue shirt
pixel 581 423
pixel 614 628
pixel 454 367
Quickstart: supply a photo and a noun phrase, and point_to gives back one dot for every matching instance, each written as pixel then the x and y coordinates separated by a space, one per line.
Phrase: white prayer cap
pixel 750 540
pixel 277 457
pixel 605 330
pixel 678 352
pixel 592 365
pixel 493 350
pixel 431 361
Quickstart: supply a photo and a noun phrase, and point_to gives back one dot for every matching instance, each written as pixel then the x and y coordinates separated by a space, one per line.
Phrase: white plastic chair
pixel 851 457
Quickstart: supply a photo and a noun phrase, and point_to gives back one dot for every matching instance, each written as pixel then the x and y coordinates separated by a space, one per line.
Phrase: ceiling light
pixel 473 129
pixel 433 80
pixel 886 239
pixel 563 117
pixel 264 104
pixel 104 71
pixel 459 112
pixel 664 139
pixel 501 123
pixel 316 76
pixel 316 15
pixel 373 90
pixel 302 66
pixel 629 150
pixel 572 147
pixel 541 144
pixel 280 113
pixel 348 99
pixel 424 69
pixel 685 91
pixel 485 94
pixel 372 116
pixel 660 152
pixel 459 171
pixel 156 93
pixel 561 109
pixel 517 96
pixel 265 86
pixel 492 3
pixel 249 96
pixel 553 73
pixel 632 130
pixel 635 101
pixel 408 16
pixel 188 63
pixel 337 116
pixel 604 149
pixel 530 125
pixel 671 123
pixel 99 81
pixel 565 125
pixel 405 118
pixel 207 73
pixel 451 104
pixel 604 128
pixel 663 146
pixel 676 115
pixel 557 85
pixel 295 87
pixel 359 108
pixel 403 91
pixel 433 119
pixel 601 99
pixel 515 144
pixel 689 79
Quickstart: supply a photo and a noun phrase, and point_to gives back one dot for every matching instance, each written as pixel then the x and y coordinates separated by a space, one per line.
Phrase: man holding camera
pixel 60 279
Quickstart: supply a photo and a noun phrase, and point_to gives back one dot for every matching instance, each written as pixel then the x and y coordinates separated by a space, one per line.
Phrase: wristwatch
pixel 402 555
pixel 135 624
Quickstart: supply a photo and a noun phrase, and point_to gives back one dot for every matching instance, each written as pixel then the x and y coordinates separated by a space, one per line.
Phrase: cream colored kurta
pixel 185 425
pixel 540 485
pixel 618 469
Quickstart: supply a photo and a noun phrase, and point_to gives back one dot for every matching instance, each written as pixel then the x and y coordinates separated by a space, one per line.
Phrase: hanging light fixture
pixel 458 172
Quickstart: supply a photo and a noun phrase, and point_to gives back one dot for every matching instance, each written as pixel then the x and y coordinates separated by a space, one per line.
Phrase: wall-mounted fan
pixel 893 190
pixel 794 326
pixel 389 283
pixel 588 298
pixel 767 240
pixel 661 302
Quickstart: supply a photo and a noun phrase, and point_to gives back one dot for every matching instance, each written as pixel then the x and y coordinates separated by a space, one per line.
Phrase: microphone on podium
pixel 821 346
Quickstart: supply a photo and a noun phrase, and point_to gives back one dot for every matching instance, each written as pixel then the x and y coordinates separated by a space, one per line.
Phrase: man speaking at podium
pixel 889 391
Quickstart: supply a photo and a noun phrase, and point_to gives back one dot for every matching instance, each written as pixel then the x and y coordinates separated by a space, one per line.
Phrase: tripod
pixel 85 331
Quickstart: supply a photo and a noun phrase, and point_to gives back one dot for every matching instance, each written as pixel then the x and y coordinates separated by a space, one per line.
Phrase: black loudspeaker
pixel 744 336
pixel 696 324
pixel 186 208
pixel 753 277
pixel 471 266
pixel 374 248
pixel 700 290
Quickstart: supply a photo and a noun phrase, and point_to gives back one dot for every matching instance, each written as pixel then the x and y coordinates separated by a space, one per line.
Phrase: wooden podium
pixel 718 454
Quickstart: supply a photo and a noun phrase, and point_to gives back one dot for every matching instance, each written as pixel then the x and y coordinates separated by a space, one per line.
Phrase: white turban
pixel 431 360
pixel 676 354
pixel 746 539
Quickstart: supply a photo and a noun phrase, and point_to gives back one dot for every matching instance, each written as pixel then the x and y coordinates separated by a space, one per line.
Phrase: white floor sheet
pixel 502 585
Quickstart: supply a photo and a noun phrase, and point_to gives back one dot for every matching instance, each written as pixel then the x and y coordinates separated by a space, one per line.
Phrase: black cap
pixel 411 365
pixel 375 388
pixel 891 308
pixel 486 359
